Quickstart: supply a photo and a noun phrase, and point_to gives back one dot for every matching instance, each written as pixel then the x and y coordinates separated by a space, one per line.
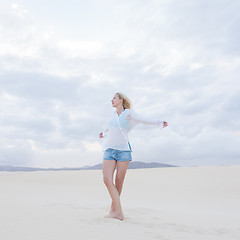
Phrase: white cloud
pixel 73 48
pixel 92 146
pixel 14 6
pixel 178 61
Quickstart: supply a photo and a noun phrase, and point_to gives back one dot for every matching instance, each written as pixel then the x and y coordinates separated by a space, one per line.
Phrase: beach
pixel 177 203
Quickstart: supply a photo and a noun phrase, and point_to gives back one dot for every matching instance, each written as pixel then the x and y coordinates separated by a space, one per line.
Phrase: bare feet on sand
pixel 116 215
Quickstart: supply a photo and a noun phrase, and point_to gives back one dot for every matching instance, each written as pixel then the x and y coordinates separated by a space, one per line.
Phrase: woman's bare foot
pixel 116 215
pixel 111 212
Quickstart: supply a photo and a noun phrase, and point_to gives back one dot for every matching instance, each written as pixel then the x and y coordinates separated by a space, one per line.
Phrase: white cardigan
pixel 116 134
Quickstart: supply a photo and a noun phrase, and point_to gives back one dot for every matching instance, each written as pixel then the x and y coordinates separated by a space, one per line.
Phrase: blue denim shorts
pixel 117 155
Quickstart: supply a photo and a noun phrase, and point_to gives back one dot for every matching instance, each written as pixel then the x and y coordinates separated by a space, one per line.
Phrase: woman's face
pixel 116 101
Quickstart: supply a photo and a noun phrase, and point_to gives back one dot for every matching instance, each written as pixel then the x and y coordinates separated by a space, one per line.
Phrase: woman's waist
pixel 117 139
pixel 125 146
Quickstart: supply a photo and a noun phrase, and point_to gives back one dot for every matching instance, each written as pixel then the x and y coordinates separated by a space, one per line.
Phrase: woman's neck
pixel 119 110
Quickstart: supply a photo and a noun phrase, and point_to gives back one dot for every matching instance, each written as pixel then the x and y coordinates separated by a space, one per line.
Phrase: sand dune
pixel 164 203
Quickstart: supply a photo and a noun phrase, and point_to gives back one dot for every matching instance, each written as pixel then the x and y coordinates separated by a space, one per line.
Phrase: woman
pixel 117 149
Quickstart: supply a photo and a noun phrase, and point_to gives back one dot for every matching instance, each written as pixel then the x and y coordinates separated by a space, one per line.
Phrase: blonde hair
pixel 126 101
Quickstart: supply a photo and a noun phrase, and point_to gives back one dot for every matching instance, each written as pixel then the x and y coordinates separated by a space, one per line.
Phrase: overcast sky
pixel 62 61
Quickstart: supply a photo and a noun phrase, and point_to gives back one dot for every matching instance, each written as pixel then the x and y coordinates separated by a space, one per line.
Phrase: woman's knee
pixel 107 181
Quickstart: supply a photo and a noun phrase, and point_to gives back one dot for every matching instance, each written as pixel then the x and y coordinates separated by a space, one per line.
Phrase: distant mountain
pixel 31 169
pixel 95 167
pixel 136 165
pixel 132 165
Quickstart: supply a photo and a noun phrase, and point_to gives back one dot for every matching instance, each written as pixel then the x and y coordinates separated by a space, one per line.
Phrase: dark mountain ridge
pixel 132 165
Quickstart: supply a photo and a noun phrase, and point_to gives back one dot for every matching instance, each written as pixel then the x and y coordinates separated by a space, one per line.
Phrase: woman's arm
pixel 148 121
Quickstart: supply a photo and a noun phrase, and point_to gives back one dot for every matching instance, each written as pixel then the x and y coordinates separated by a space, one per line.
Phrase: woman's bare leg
pixel 108 171
pixel 120 175
pixel 119 179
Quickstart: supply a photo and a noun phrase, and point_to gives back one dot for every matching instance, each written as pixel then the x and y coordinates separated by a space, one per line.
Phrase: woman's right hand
pixel 165 124
pixel 101 135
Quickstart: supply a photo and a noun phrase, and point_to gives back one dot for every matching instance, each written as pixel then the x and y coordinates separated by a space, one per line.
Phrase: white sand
pixel 166 203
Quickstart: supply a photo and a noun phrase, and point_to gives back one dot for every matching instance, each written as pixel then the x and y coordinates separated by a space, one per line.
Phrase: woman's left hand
pixel 165 124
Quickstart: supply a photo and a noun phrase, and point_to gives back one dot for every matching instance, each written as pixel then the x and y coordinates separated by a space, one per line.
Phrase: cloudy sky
pixel 62 61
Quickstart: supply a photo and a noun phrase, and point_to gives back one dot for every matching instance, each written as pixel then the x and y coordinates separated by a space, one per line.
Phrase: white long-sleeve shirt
pixel 116 137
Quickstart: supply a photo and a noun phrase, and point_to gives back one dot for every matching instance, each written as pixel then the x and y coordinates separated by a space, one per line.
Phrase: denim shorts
pixel 117 155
